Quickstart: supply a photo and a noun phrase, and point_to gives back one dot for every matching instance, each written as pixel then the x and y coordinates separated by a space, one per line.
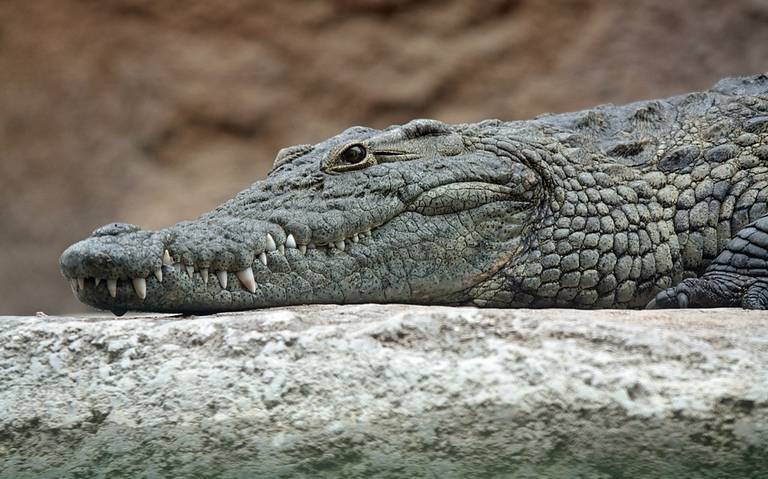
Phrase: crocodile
pixel 652 204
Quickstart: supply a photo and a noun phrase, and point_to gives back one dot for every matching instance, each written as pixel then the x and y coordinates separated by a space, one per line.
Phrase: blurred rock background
pixel 154 111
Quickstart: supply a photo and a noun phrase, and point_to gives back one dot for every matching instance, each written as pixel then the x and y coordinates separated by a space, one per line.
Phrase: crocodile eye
pixel 353 155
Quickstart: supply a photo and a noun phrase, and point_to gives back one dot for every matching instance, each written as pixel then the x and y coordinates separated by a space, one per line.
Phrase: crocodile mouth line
pixel 245 276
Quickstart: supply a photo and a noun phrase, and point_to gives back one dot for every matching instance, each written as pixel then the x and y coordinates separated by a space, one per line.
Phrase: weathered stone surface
pixel 386 391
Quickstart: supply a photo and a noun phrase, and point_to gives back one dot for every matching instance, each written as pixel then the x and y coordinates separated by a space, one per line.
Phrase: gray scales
pixel 657 203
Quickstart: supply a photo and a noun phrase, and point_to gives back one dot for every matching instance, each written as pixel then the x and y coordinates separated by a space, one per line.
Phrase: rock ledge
pixel 386 391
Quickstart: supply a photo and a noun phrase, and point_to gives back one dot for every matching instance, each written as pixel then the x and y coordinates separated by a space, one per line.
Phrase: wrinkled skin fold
pixel 610 207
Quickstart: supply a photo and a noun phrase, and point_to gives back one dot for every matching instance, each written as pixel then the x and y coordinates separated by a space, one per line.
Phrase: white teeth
pixel 140 286
pixel 281 248
pixel 190 270
pixel 112 287
pixel 204 274
pixel 81 283
pixel 158 274
pixel 367 232
pixel 303 249
pixel 290 241
pixel 331 245
pixel 356 238
pixel 96 281
pixel 311 245
pixel 222 275
pixel 271 246
pixel 246 277
pixel 167 258
pixel 177 267
pixel 263 258
pixel 341 245
pixel 73 285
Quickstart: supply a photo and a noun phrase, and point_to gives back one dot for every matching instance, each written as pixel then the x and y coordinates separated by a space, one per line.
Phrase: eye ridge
pixel 353 155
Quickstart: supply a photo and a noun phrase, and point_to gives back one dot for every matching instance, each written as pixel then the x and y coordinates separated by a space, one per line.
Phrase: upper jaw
pixel 166 271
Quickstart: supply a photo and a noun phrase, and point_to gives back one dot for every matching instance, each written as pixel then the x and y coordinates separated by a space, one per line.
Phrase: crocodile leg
pixel 737 277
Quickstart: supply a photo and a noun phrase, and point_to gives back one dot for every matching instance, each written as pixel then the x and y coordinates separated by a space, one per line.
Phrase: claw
pixel 652 304
pixel 682 300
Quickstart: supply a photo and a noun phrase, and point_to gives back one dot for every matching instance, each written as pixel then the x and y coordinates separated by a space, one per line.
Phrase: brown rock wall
pixel 154 111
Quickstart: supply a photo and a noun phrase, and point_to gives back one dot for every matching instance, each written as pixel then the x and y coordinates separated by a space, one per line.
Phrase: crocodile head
pixel 415 213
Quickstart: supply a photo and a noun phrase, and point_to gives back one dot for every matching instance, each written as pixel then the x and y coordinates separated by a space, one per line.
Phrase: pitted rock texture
pixel 386 391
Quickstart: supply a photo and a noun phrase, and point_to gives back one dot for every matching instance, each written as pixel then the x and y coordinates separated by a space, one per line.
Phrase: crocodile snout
pixel 113 253
pixel 193 266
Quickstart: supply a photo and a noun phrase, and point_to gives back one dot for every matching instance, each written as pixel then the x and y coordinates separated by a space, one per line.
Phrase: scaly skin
pixel 610 207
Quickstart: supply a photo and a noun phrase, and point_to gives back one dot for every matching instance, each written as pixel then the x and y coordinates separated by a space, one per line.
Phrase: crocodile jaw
pixel 373 265
pixel 161 282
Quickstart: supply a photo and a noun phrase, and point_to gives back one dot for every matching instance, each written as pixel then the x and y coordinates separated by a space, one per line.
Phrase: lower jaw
pixel 211 298
pixel 178 293
pixel 181 294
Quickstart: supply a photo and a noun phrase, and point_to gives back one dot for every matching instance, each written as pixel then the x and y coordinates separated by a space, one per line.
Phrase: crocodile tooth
pixel 367 232
pixel 331 245
pixel 356 238
pixel 112 287
pixel 167 258
pixel 222 275
pixel 81 283
pixel 246 277
pixel 177 267
pixel 204 274
pixel 303 248
pixel 281 248
pixel 341 245
pixel 311 245
pixel 190 270
pixel 263 258
pixel 159 274
pixel 96 281
pixel 73 285
pixel 140 286
pixel 271 246
pixel 290 241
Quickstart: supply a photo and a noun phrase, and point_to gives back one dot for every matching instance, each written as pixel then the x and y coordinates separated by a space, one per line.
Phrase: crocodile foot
pixel 702 292
pixel 738 277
